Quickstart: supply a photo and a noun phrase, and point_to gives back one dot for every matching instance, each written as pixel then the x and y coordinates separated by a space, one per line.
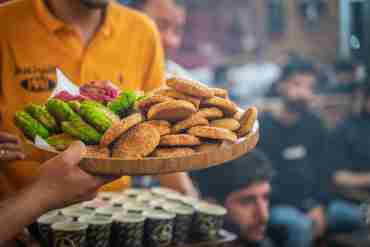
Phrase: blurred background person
pixel 170 17
pixel 247 197
pixel 350 169
pixel 293 139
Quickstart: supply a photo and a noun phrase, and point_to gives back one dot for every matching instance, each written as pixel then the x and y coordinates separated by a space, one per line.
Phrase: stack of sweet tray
pixel 185 126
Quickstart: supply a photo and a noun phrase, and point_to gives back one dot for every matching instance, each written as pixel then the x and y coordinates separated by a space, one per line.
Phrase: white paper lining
pixel 63 84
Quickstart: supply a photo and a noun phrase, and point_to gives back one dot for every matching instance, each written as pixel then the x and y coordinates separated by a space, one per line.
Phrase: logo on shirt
pixel 36 79
pixel 294 153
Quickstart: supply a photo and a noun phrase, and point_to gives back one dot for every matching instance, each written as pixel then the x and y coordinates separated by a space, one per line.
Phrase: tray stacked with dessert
pixel 182 126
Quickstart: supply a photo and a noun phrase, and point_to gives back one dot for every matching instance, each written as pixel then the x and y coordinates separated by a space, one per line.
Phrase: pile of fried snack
pixel 180 119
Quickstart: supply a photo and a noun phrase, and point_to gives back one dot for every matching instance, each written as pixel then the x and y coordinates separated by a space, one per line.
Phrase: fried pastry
pixel 120 128
pixel 210 113
pixel 145 104
pixel 228 107
pixel 179 140
pixel 137 143
pixel 213 133
pixel 168 92
pixel 172 111
pixel 220 92
pixel 247 121
pixel 238 115
pixel 97 152
pixel 192 121
pixel 190 87
pixel 163 127
pixel 226 123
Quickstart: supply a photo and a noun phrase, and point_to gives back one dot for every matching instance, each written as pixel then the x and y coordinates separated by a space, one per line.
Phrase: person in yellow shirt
pixel 88 40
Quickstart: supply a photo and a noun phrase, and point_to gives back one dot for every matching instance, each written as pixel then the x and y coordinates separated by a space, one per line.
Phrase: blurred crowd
pixel 310 174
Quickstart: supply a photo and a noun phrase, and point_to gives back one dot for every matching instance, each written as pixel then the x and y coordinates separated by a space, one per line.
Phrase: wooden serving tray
pixel 152 166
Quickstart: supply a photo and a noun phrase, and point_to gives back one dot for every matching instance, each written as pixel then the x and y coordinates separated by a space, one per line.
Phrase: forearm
pixel 19 211
pixel 178 181
pixel 352 179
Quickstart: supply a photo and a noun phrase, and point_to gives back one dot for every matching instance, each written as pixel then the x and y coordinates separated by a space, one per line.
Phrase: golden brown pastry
pixel 164 127
pixel 207 147
pixel 247 121
pixel 238 115
pixel 192 121
pixel 120 128
pixel 213 133
pixel 210 113
pixel 226 123
pixel 179 140
pixel 137 143
pixel 168 92
pixel 145 104
pixel 190 87
pixel 172 152
pixel 227 106
pixel 172 111
pixel 97 152
pixel 220 92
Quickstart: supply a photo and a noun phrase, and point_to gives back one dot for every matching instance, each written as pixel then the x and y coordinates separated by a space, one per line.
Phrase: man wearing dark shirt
pixel 245 193
pixel 349 153
pixel 293 139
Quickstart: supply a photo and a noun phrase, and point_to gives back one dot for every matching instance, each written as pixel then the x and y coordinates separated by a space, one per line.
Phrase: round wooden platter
pixel 152 166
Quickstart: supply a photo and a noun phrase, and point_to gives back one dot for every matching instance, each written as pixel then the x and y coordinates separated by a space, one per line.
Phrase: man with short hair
pixel 247 198
pixel 245 193
pixel 294 140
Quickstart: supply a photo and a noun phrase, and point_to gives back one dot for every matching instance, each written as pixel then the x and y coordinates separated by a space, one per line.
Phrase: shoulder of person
pixel 14 12
pixel 136 19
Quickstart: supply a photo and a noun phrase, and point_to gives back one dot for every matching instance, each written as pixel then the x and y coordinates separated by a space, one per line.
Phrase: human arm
pixel 180 182
pixel 317 214
pixel 61 183
pixel 349 179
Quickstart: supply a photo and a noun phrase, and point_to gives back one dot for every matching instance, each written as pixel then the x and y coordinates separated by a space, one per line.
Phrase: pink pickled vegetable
pixel 101 91
pixel 66 96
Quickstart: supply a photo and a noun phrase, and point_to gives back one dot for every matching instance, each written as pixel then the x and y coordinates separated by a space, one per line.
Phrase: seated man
pixel 350 168
pixel 293 139
pixel 248 199
pixel 245 194
pixel 61 183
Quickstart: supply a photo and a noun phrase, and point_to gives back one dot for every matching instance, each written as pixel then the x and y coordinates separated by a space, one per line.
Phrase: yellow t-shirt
pixel 126 50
